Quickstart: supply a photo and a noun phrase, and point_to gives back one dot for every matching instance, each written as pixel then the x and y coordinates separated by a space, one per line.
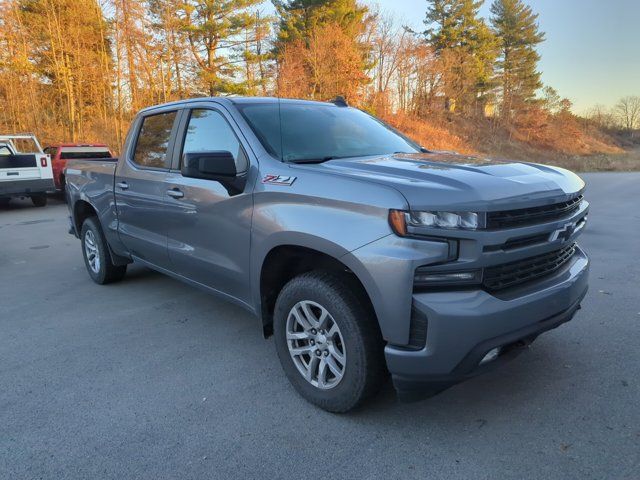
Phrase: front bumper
pixel 463 326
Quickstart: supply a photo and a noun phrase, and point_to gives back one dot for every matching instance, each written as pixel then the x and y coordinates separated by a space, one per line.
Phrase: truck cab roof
pixel 238 101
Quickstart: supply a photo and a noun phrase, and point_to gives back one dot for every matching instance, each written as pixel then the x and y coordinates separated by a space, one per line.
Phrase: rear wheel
pixel 328 341
pixel 39 200
pixel 96 254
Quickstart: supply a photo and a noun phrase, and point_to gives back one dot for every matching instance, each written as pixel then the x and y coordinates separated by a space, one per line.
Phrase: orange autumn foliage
pixel 327 65
pixel 429 134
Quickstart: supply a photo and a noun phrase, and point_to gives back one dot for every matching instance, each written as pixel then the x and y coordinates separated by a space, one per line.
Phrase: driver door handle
pixel 175 193
pixel 122 185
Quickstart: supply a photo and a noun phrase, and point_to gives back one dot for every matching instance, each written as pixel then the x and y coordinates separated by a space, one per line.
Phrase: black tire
pixel 4 202
pixel 364 369
pixel 39 200
pixel 105 271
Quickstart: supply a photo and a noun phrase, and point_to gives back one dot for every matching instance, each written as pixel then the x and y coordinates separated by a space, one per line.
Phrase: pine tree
pixel 515 24
pixel 450 22
pixel 257 55
pixel 168 35
pixel 467 48
pixel 298 18
pixel 216 31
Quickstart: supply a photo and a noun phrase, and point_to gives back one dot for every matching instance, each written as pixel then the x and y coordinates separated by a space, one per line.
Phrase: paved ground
pixel 153 379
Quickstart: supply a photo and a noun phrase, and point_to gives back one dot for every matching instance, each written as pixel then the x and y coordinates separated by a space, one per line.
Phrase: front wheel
pixel 96 255
pixel 328 341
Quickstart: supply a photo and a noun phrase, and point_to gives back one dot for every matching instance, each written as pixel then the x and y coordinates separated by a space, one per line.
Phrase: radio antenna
pixel 279 110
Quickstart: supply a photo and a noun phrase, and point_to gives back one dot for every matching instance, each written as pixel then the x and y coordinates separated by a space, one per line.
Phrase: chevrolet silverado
pixel 361 252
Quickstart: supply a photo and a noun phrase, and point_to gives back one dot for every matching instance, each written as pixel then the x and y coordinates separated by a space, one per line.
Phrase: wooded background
pixel 78 70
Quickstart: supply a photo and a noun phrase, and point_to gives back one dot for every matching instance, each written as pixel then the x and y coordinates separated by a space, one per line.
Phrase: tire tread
pixel 109 272
pixel 331 285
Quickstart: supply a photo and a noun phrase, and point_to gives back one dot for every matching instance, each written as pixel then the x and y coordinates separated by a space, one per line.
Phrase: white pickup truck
pixel 25 170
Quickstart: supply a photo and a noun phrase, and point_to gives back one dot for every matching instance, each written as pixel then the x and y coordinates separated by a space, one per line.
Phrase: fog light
pixel 423 277
pixel 491 356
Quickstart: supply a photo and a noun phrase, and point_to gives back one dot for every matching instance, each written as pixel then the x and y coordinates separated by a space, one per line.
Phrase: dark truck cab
pixel 361 252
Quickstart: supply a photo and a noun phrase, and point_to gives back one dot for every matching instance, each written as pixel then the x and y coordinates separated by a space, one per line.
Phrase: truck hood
pixel 444 180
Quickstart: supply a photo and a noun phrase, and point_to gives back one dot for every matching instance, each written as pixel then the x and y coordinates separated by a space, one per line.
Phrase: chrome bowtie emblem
pixel 563 233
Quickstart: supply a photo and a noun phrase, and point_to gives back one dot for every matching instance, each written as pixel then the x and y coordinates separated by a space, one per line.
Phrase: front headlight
pixel 400 220
pixel 466 220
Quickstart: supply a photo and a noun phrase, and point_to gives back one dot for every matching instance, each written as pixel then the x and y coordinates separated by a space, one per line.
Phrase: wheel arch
pixel 285 261
pixel 81 211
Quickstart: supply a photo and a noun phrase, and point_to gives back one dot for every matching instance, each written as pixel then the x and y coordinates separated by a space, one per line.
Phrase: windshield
pixel 302 133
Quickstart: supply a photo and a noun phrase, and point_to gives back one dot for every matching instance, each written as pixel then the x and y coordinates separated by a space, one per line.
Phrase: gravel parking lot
pixel 150 378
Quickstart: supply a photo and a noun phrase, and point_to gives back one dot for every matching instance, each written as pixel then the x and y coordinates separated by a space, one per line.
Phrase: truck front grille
pixel 529 216
pixel 523 271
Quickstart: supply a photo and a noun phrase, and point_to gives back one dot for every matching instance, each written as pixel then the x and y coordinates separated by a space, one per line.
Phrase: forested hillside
pixel 78 70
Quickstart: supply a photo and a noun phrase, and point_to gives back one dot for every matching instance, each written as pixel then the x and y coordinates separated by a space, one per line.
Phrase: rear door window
pixel 153 141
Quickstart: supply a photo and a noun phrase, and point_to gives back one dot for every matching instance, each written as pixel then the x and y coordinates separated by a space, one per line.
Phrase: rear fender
pixel 82 210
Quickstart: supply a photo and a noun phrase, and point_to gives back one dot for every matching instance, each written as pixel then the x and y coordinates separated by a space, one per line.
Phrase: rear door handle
pixel 122 185
pixel 175 193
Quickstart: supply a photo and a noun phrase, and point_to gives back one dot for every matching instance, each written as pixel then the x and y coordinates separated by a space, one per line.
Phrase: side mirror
pixel 218 165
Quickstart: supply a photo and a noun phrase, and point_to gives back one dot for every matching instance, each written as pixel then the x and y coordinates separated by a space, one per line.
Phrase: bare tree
pixel 602 117
pixel 628 112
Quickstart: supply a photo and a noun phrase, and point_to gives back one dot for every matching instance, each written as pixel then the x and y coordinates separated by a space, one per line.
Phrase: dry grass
pixel 429 134
pixel 560 141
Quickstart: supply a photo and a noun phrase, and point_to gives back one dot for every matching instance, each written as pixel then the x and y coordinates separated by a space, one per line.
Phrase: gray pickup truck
pixel 362 253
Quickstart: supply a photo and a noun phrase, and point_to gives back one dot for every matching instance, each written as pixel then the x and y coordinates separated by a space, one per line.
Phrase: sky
pixel 592 50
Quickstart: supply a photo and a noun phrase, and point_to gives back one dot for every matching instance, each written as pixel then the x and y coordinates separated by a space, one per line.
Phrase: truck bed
pixel 94 178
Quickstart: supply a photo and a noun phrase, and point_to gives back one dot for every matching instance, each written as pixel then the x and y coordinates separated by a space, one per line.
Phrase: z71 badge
pixel 278 180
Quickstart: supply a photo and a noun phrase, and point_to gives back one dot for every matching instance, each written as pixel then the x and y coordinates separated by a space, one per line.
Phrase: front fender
pixel 262 248
pixel 326 213
pixel 357 236
pixel 328 226
pixel 386 269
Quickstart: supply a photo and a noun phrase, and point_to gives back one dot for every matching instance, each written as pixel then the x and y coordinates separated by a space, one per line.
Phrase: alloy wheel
pixel 316 344
pixel 91 251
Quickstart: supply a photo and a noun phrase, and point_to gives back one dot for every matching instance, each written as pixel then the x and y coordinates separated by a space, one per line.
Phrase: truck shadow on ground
pixel 27 204
pixel 506 391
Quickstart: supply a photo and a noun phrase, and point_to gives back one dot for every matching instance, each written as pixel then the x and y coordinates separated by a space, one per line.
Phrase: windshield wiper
pixel 314 160
pixel 422 150
pixel 336 157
